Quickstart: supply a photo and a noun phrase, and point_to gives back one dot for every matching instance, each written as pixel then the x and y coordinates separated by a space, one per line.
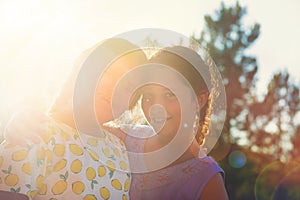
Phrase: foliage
pixel 272 122
pixel 263 127
pixel 226 40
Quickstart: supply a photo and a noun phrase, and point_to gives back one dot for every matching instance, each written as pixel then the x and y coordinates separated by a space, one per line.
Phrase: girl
pixel 57 156
pixel 173 88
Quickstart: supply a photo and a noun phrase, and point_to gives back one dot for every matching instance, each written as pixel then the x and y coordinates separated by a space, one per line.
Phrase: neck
pixel 191 152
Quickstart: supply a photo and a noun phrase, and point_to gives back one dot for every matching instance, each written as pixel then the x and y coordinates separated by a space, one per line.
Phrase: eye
pixel 146 98
pixel 170 95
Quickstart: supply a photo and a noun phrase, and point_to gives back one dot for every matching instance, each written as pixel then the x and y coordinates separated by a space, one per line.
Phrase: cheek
pixel 103 110
pixel 102 104
pixel 104 107
pixel 177 112
pixel 174 107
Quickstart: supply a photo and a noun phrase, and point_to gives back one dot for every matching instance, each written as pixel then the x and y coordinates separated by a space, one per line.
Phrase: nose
pixel 158 117
pixel 157 111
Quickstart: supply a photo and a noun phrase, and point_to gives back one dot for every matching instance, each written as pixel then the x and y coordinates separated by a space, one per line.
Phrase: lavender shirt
pixel 182 181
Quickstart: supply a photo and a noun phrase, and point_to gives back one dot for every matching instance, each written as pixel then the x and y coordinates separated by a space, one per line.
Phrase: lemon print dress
pixel 65 165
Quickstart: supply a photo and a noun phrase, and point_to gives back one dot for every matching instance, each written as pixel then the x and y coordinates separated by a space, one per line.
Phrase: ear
pixel 202 99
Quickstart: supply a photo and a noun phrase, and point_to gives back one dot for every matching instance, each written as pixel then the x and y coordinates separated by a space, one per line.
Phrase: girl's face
pixel 161 108
pixel 165 111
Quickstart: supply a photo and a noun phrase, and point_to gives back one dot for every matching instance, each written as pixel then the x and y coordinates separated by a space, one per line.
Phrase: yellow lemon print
pixel 116 184
pixel 11 180
pixel 61 185
pixel 106 152
pixel 90 197
pixel 124 197
pixel 90 173
pixel 101 171
pixel 42 154
pixel 48 155
pixel 59 150
pixel 111 166
pixel 123 165
pixel 20 155
pixel 93 154
pixel 39 180
pixel 122 143
pixel 42 189
pixel 26 168
pixel 65 135
pixel 104 192
pixel 31 193
pixel 76 166
pixel 93 142
pixel 117 152
pixel 101 139
pixel 76 150
pixel 126 184
pixel 60 165
pixel 78 187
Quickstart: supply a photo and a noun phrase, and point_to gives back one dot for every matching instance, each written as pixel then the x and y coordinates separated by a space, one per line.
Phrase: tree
pixel 267 128
pixel 226 40
pixel 273 128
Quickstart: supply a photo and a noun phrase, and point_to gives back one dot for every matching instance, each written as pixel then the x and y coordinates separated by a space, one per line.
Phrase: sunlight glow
pixel 42 39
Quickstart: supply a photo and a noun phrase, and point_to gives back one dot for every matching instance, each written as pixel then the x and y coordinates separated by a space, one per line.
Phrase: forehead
pixel 154 87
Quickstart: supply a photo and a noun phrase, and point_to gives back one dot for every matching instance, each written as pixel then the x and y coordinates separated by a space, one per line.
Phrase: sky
pixel 40 40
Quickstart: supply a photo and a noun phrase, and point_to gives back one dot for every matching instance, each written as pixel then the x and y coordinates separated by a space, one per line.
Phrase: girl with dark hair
pixel 176 101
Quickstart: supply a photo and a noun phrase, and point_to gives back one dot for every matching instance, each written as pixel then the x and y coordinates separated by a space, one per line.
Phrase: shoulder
pixel 213 179
pixel 204 169
pixel 215 183
pixel 206 172
pixel 208 165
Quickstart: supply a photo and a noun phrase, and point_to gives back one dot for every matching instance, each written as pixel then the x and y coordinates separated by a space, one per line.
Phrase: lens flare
pixel 101 60
pixel 237 159
pixel 278 181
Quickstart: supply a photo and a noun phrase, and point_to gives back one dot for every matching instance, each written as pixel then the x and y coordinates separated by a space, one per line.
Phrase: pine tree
pixel 267 126
pixel 272 124
pixel 226 39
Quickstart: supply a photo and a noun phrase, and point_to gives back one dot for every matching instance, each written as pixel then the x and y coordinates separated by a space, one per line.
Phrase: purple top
pixel 182 181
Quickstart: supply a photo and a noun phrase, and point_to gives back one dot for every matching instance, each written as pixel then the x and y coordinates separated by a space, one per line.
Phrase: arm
pixel 12 195
pixel 215 189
